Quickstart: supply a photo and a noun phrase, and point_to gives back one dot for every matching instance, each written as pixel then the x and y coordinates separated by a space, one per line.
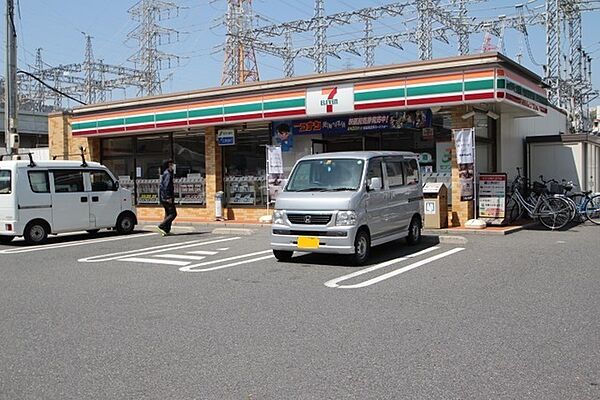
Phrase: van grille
pixel 309 219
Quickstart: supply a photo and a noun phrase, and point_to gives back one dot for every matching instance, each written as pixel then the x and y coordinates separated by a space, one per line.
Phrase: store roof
pixel 475 61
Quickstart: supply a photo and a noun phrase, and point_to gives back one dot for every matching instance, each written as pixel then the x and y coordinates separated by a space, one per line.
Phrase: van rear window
pixel 5 183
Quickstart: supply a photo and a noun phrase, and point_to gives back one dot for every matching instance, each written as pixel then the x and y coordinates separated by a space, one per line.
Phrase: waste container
pixel 219 200
pixel 435 196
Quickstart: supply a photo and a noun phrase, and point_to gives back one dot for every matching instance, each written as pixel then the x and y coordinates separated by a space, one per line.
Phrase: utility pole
pixel 10 102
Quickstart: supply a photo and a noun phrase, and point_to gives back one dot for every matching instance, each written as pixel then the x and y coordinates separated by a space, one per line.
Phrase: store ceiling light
pixel 492 115
pixel 468 115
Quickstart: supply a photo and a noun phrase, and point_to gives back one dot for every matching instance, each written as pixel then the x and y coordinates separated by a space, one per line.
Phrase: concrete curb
pixel 447 239
pixel 233 231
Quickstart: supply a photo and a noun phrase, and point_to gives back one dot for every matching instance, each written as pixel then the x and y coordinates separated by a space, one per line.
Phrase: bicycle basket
pixel 556 188
pixel 538 188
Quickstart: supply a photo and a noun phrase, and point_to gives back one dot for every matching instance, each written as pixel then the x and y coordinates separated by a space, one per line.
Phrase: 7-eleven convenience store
pixel 218 136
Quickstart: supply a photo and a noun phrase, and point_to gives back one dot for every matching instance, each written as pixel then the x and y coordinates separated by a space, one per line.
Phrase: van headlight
pixel 278 217
pixel 345 218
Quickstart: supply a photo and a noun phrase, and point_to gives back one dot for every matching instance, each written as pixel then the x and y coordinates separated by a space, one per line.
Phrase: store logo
pixel 338 99
pixel 330 101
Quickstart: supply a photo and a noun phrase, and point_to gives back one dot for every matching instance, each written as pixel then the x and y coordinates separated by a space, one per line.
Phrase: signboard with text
pixel 492 196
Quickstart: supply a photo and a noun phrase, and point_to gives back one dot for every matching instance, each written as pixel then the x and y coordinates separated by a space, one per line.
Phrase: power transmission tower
pixel 10 90
pixel 239 64
pixel 150 35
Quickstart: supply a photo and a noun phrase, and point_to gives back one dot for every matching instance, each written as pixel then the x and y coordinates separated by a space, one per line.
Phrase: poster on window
pixel 284 135
pixel 276 178
pixel 465 157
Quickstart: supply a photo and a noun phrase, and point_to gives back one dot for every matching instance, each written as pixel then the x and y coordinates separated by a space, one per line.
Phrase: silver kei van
pixel 344 203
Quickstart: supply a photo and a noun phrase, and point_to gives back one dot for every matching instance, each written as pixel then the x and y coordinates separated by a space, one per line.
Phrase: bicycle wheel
pixel 572 206
pixel 514 211
pixel 579 200
pixel 554 213
pixel 592 209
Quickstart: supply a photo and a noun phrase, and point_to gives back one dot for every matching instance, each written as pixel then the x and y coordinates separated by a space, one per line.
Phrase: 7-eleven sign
pixel 333 99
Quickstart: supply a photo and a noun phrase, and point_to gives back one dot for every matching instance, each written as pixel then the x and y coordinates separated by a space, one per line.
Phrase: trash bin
pixel 219 200
pixel 436 205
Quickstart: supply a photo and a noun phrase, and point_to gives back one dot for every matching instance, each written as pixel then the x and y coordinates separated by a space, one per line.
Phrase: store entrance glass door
pixel 319 146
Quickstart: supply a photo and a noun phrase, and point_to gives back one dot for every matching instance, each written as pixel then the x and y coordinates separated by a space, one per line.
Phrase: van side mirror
pixel 116 185
pixel 375 184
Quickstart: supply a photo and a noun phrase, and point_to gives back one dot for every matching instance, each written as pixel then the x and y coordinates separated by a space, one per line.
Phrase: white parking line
pixel 153 250
pixel 204 252
pixel 399 271
pixel 334 282
pixel 402 270
pixel 155 261
pixel 193 268
pixel 53 246
pixel 181 257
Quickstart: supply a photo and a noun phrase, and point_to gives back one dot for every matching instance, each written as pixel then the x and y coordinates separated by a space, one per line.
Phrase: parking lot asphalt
pixel 203 316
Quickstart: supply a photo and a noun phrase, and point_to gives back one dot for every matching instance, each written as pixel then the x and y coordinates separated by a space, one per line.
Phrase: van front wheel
pixel 283 255
pixel 36 232
pixel 362 248
pixel 125 224
pixel 414 231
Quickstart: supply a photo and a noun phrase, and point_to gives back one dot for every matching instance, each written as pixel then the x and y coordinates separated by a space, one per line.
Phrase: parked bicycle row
pixel 554 204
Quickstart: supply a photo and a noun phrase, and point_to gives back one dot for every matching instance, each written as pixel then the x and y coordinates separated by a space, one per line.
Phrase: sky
pixel 58 27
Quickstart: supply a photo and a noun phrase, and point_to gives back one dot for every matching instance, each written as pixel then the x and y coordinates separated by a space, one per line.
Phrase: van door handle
pixel 95 199
pixel 84 199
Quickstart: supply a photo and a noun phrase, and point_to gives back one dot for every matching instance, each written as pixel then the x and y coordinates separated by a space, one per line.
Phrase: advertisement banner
pixel 275 179
pixel 284 135
pixel 443 157
pixel 226 137
pixel 465 157
pixel 492 196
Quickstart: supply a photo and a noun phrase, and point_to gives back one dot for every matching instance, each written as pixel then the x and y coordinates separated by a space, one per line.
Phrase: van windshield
pixel 326 175
pixel 5 186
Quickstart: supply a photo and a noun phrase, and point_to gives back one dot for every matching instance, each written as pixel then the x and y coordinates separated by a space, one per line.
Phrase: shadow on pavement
pixel 68 238
pixel 379 254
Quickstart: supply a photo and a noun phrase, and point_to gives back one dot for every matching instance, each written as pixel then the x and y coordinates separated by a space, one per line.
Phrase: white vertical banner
pixel 274 160
pixel 464 141
pixel 275 177
pixel 465 148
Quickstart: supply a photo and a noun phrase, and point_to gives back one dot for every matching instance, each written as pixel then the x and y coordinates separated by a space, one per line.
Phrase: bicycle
pixel 552 212
pixel 584 204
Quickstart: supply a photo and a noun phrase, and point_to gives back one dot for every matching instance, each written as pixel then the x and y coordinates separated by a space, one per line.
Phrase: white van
pixel 344 203
pixel 50 197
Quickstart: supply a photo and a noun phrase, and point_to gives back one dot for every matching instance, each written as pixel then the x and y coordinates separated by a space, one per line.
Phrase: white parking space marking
pixel 194 268
pixel 155 261
pixel 153 250
pixel 204 252
pixel 334 283
pixel 223 249
pixel 53 246
pixel 181 257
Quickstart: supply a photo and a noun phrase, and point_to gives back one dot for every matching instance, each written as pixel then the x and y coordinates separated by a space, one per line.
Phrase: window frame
pixel 9 180
pixel 46 173
pixel 400 161
pixel 112 188
pixel 80 171
pixel 406 162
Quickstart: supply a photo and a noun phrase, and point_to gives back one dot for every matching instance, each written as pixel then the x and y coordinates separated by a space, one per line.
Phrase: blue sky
pixel 57 26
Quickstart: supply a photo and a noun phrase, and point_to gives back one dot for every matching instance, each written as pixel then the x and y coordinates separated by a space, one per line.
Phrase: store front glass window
pixel 245 167
pixel 151 151
pixel 190 171
pixel 118 156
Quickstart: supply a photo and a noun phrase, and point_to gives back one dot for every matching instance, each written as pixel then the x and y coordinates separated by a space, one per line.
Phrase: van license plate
pixel 306 242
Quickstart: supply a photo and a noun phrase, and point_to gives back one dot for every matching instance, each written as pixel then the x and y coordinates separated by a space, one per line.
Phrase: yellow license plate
pixel 306 242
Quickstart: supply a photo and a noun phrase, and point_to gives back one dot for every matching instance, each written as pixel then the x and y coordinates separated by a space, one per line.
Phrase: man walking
pixel 167 197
